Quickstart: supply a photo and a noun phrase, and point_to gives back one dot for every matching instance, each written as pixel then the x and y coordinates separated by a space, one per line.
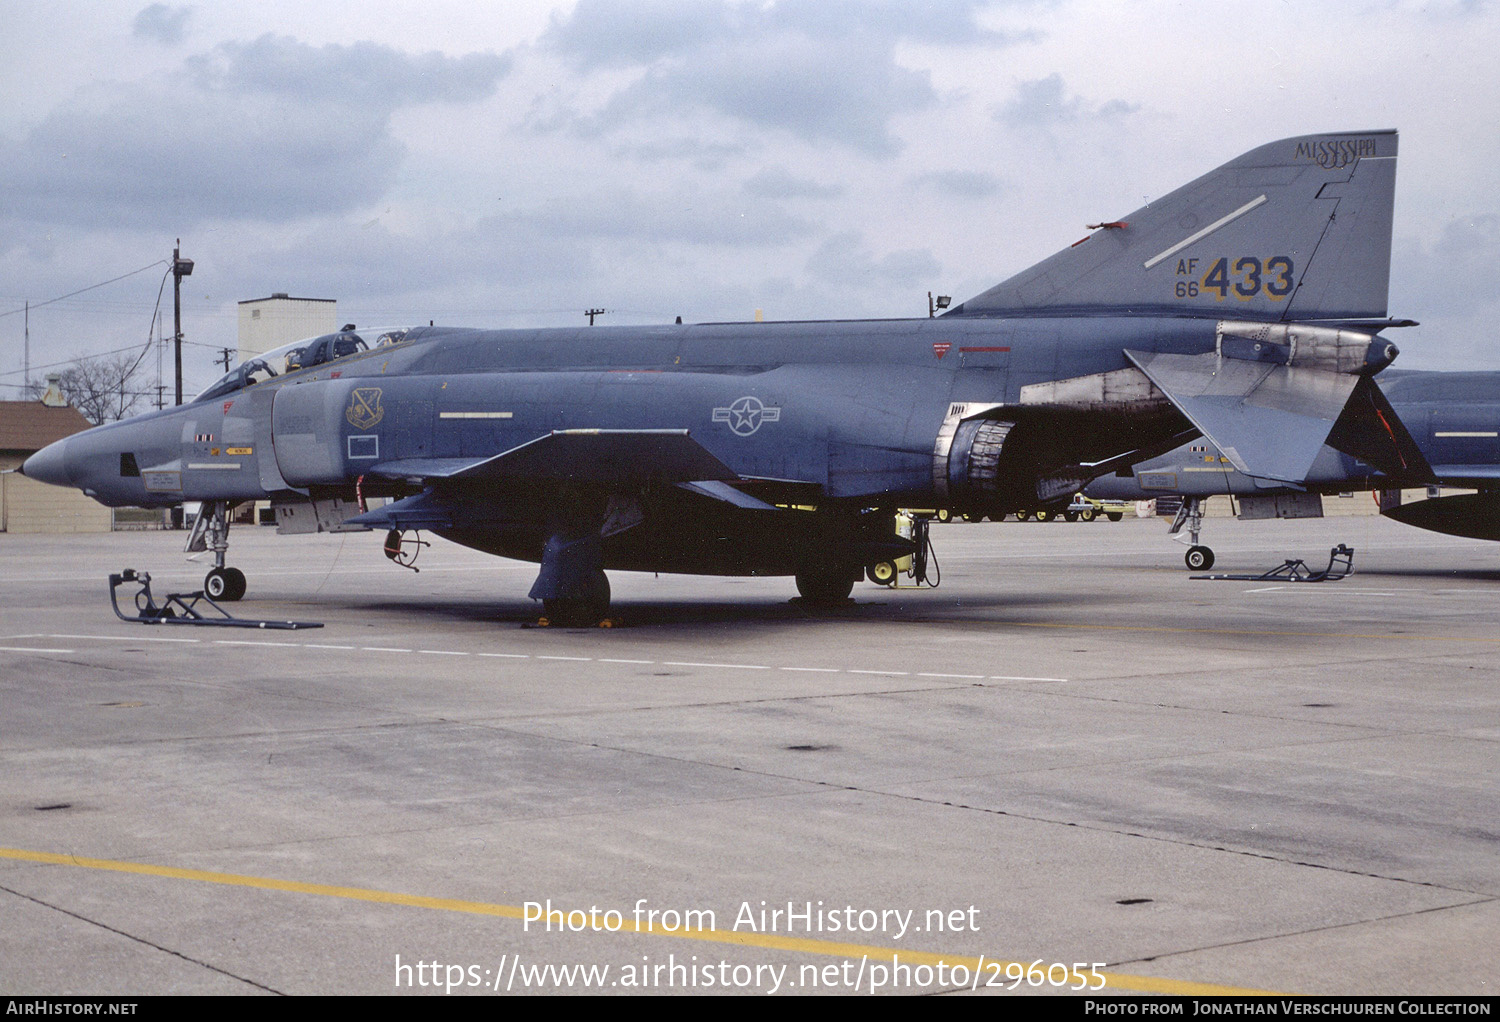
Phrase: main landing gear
pixel 826 583
pixel 211 532
pixel 1190 514
pixel 571 584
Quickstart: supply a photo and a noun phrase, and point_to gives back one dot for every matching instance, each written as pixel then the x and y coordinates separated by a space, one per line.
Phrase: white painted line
pixel 1223 221
pixel 573 659
pixel 119 638
pixel 254 642
pixel 743 667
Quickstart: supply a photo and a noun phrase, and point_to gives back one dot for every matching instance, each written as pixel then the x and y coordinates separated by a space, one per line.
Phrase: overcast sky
pixel 514 164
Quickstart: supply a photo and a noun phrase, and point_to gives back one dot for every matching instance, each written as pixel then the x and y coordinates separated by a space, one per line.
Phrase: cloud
pixel 845 260
pixel 361 74
pixel 1045 102
pixel 959 184
pixel 779 183
pixel 687 216
pixel 271 131
pixel 820 70
pixel 1453 276
pixel 164 24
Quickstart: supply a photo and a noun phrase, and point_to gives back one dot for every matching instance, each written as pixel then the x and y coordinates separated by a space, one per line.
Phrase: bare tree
pixel 101 387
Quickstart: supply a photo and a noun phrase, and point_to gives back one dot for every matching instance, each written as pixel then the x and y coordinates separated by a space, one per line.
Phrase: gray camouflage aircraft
pixel 1243 306
pixel 1454 418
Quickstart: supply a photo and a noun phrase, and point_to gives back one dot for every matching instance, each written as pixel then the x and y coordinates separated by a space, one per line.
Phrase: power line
pixel 91 287
pixel 68 361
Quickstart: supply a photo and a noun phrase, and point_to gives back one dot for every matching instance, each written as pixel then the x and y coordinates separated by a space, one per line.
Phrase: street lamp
pixel 180 268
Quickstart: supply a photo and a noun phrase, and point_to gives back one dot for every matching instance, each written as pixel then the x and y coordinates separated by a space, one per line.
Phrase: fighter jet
pixel 1454 418
pixel 1244 306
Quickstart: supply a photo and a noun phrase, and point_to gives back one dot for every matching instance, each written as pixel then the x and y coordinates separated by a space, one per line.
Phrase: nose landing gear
pixel 1190 514
pixel 211 532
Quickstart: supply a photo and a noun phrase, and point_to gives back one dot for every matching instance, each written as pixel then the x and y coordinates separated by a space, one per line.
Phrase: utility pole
pixel 180 268
pixel 591 313
pixel 225 354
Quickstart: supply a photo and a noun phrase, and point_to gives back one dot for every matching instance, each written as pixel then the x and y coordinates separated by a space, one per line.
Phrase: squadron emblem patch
pixel 365 409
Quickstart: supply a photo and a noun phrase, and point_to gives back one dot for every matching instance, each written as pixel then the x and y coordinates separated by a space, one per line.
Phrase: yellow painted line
pixel 770 941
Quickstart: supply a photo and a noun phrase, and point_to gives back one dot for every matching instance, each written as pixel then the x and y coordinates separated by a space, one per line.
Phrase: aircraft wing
pixel 604 456
pixel 591 457
pixel 1270 420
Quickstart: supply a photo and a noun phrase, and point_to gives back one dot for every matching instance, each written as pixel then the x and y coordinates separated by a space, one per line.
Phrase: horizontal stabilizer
pixel 1269 420
pixel 579 455
pixel 1371 430
pixel 1298 229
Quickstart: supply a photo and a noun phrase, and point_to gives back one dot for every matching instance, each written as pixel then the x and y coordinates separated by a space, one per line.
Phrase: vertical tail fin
pixel 1296 230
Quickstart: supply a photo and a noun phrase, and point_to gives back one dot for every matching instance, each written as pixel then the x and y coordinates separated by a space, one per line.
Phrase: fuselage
pixel 852 407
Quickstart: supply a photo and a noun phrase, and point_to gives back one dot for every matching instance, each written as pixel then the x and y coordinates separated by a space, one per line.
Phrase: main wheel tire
pixel 1088 514
pixel 224 585
pixel 1199 558
pixel 882 573
pixel 1023 516
pixel 1071 516
pixel 825 584
pixel 1044 516
pixel 1115 516
pixel 580 611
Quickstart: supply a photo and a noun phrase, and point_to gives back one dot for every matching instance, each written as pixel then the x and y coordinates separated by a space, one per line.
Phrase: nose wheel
pixel 224 584
pixel 1199 558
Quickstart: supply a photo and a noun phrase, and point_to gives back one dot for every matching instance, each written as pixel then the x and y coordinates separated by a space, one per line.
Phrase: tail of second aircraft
pixel 1297 230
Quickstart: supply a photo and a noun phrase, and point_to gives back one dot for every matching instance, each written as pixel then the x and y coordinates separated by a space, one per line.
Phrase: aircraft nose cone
pixel 48 465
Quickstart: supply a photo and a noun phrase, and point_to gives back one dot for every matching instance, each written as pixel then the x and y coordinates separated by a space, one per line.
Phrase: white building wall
pixel 267 323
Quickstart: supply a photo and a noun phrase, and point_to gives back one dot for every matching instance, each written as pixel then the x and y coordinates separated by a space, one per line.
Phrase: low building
pixel 25 504
pixel 267 323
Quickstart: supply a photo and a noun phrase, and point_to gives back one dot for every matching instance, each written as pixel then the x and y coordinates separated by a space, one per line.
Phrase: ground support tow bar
pixel 182 608
pixel 1340 565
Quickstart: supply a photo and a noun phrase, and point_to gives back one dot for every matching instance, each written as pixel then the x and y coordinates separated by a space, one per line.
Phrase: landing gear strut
pixel 1198 557
pixel 211 532
pixel 572 585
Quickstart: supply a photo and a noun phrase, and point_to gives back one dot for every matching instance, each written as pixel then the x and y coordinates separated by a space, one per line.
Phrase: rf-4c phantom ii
pixel 1243 306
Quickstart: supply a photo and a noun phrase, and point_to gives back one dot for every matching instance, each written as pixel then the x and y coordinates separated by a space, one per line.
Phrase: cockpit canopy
pixel 290 358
